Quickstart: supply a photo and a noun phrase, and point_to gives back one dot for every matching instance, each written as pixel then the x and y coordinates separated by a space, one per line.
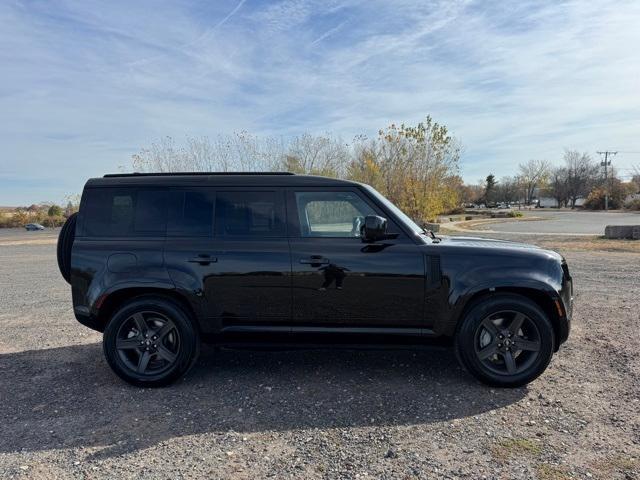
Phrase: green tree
pixel 417 168
pixel 490 184
pixel 54 211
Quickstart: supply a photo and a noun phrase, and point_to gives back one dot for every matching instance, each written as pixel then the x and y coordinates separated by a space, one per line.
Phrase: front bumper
pixel 566 296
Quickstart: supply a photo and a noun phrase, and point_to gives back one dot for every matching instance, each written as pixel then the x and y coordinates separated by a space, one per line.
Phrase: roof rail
pixel 175 174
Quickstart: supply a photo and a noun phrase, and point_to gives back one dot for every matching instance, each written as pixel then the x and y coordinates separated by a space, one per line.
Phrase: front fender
pixel 470 276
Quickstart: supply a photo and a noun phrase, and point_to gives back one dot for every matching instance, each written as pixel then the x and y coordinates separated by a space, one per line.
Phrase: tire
pixel 65 242
pixel 505 340
pixel 151 341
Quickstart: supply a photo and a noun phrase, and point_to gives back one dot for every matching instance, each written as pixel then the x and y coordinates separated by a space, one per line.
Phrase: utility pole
pixel 606 163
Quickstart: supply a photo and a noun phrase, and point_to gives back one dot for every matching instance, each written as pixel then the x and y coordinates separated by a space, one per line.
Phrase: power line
pixel 605 163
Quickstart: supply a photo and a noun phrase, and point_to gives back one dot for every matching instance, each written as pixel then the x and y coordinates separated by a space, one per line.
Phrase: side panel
pixel 361 285
pixel 119 244
pixel 244 276
pixel 251 282
pixel 94 275
pixel 350 283
pixel 468 274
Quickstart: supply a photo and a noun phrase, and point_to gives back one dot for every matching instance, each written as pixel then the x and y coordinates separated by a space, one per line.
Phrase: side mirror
pixel 374 229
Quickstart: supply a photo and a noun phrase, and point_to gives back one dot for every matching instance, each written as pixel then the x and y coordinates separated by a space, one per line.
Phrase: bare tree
pixel 533 174
pixel 508 189
pixel 317 155
pixel 558 186
pixel 581 174
pixel 240 151
pixel 636 175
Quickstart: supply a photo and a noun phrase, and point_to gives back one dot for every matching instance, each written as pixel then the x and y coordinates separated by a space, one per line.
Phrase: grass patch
pixel 510 447
pixel 544 471
pixel 624 464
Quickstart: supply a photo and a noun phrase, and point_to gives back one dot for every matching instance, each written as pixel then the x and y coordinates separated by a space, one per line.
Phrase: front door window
pixel 331 214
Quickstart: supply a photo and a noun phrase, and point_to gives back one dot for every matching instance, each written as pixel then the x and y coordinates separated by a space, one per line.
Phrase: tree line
pixel 578 177
pixel 46 213
pixel 416 167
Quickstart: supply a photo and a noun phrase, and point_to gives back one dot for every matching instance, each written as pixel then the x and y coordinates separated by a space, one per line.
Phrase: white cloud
pixel 86 84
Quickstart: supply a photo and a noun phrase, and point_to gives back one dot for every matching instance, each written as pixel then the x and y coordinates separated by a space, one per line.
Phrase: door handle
pixel 315 260
pixel 203 259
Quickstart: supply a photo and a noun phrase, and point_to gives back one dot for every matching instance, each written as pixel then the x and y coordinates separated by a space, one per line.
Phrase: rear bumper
pixel 85 318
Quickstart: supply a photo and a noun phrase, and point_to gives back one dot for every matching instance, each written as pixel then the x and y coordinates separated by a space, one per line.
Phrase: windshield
pixel 396 211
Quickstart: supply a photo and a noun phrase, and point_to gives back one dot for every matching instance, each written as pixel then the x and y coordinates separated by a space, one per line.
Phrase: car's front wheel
pixel 150 342
pixel 505 340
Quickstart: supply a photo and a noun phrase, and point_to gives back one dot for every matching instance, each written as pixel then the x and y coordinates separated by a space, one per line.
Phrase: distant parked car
pixel 33 226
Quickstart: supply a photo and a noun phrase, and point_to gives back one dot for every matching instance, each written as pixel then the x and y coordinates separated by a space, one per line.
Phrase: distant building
pixel 550 202
pixel 631 197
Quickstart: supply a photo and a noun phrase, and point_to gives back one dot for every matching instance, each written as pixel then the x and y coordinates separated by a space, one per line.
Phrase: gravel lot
pixel 347 414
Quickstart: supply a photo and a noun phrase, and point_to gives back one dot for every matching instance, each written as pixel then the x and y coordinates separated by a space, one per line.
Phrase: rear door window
pixel 191 212
pixel 255 214
pixel 123 212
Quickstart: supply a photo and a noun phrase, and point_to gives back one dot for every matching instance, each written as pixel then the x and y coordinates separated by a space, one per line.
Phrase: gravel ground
pixel 308 414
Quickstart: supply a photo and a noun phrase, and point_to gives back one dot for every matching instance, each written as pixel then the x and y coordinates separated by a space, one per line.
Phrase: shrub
pixel 11 221
pixel 52 222
pixel 54 211
pixel 633 204
pixel 596 200
pixel 455 211
pixel 515 214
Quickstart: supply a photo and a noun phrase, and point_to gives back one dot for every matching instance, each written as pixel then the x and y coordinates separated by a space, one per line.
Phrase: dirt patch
pixel 589 244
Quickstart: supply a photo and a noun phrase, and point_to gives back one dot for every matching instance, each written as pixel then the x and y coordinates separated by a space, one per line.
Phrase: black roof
pixel 257 179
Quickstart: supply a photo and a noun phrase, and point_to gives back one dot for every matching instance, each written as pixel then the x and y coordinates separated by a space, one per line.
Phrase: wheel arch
pixel 541 298
pixel 116 298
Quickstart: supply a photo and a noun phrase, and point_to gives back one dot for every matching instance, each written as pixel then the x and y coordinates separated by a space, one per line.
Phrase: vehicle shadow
pixel 68 397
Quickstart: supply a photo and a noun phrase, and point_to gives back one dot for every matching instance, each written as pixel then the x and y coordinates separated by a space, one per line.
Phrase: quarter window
pixel 331 214
pixel 116 212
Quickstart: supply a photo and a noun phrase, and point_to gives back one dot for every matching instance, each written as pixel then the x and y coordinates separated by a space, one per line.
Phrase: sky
pixel 86 84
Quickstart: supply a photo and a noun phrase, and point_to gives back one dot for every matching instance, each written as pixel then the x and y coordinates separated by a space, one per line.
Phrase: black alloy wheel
pixel 505 340
pixel 151 341
pixel 148 343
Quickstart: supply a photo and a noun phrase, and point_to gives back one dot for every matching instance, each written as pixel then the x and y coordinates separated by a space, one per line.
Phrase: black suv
pixel 160 261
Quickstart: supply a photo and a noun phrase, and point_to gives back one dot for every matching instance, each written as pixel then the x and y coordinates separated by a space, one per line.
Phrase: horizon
pixel 87 85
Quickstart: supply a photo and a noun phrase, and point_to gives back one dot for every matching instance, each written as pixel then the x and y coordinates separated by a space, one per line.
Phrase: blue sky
pixel 86 84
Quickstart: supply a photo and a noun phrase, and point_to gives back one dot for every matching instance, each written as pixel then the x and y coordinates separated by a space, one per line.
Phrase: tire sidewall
pixel 466 334
pixel 189 341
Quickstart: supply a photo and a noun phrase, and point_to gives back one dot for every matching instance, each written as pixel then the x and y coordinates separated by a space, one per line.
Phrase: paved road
pixel 567 222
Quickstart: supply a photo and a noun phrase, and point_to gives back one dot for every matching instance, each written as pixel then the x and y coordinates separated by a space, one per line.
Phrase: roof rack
pixel 175 174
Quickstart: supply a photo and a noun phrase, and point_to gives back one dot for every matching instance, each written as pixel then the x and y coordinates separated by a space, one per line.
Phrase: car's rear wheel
pixel 65 242
pixel 150 341
pixel 505 340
